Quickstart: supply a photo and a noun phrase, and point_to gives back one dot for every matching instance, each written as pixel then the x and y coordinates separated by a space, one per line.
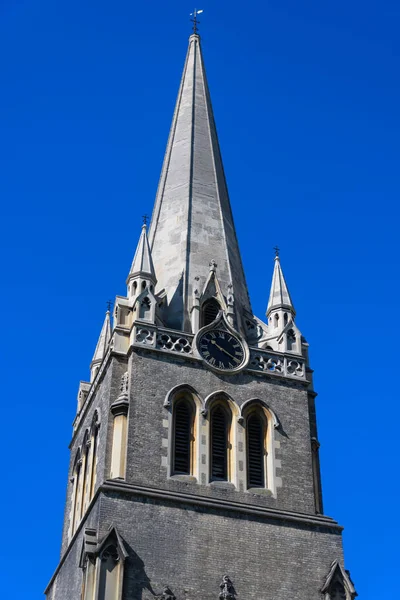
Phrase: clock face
pixel 221 350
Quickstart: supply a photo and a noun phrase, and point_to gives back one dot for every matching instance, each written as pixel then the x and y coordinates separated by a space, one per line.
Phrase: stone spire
pixel 283 334
pixel 99 353
pixel 141 274
pixel 279 297
pixel 192 219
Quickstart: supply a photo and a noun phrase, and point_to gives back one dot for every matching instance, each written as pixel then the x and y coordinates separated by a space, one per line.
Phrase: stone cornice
pixel 219 504
pixel 269 514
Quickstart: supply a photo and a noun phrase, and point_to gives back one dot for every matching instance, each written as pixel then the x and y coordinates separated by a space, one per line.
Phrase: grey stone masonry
pixel 192 221
pixel 190 466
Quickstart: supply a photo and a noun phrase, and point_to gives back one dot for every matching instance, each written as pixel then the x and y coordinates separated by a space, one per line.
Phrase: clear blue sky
pixel 306 97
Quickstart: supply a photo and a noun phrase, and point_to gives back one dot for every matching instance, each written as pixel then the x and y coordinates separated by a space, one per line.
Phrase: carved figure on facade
pixel 124 384
pixel 167 594
pixel 227 590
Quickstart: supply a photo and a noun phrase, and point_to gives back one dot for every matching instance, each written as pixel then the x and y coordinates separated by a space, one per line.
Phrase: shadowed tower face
pixel 194 469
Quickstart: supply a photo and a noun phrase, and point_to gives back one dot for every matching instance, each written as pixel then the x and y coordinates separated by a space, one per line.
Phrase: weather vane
pixel 109 305
pixel 194 20
pixel 276 248
pixel 145 219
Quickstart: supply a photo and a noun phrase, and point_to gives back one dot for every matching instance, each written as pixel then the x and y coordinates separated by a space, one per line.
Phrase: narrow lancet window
pixel 210 311
pixel 255 451
pixel 219 444
pixel 183 437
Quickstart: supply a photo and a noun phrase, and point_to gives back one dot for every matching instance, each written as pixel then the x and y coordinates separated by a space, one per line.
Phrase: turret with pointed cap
pixel 279 297
pixel 99 353
pixel 142 272
pixel 192 219
pixel 283 334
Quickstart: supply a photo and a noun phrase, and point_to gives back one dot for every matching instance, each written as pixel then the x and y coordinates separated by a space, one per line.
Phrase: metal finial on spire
pixel 109 305
pixel 194 20
pixel 145 219
pixel 276 248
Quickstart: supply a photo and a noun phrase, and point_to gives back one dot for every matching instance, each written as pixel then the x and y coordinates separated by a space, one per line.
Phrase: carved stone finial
pixel 227 590
pixel 213 265
pixel 167 594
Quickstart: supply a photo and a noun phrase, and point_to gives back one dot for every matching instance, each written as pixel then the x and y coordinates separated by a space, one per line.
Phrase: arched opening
pixel 209 312
pixel 109 579
pixel 183 451
pixel 85 472
pixel 276 320
pixel 285 318
pixel 76 489
pixel 338 592
pixel 145 308
pixel 291 340
pixel 256 434
pixel 93 470
pixel 220 443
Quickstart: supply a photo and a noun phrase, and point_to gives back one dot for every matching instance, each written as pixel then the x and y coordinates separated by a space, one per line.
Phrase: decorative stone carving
pixel 167 594
pixel 144 336
pixel 174 343
pixel 110 552
pixel 121 404
pixel 338 584
pixel 124 384
pixel 227 590
pixel 265 362
pixel 213 265
pixel 95 421
pixel 295 368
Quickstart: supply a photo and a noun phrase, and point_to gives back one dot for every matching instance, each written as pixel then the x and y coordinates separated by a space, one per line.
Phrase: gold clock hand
pixel 222 349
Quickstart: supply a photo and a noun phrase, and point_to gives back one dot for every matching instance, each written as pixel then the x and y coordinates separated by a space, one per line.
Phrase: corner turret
pixel 141 274
pixel 99 353
pixel 283 335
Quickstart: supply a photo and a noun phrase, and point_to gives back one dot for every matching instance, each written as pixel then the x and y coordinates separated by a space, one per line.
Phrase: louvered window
pixel 210 311
pixel 219 444
pixel 183 437
pixel 255 451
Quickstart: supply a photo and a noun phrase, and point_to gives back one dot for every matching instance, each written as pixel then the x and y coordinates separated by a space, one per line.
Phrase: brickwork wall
pixel 68 582
pixel 190 549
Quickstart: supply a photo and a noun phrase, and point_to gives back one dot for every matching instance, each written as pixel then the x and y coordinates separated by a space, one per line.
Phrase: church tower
pixel 194 471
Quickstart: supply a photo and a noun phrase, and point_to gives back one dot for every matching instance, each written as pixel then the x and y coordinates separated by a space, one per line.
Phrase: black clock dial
pixel 221 349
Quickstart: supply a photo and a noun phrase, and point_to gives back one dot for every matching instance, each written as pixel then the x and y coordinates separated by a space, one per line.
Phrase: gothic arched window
pixel 256 430
pixel 94 443
pixel 220 426
pixel 86 468
pixel 76 489
pixel 291 340
pixel 183 436
pixel 210 310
